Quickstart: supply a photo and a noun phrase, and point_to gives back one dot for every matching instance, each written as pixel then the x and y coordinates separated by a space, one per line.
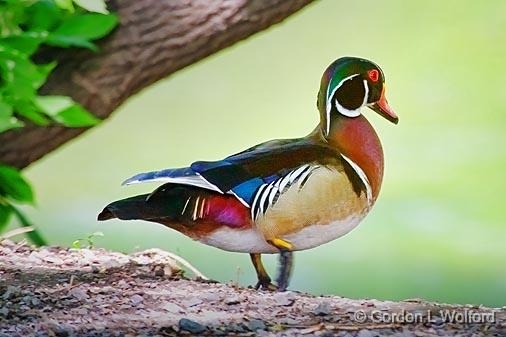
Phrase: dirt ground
pixel 81 292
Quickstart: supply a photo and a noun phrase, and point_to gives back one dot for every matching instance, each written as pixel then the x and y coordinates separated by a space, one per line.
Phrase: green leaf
pixel 97 6
pixel 5 109
pixel 65 4
pixel 36 238
pixel 26 43
pixel 17 74
pixel 91 239
pixel 26 109
pixel 76 244
pixel 65 111
pixel 78 30
pixel 21 76
pixel 11 123
pixel 42 16
pixel 76 116
pixel 7 120
pixel 14 186
pixel 44 71
pixel 12 15
pixel 65 41
pixel 52 105
pixel 87 26
pixel 5 214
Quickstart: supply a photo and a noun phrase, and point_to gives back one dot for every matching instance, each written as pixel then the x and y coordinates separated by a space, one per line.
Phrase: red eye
pixel 373 75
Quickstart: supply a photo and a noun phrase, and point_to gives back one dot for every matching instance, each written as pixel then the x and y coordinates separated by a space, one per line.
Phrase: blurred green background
pixel 438 229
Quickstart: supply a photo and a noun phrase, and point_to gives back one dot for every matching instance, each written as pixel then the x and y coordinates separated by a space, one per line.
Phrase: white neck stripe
pixel 348 113
pixel 362 176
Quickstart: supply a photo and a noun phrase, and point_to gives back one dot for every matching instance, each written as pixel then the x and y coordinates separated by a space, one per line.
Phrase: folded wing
pixel 254 176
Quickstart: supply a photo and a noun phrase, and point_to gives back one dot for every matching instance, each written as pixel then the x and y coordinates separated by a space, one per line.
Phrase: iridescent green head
pixel 347 85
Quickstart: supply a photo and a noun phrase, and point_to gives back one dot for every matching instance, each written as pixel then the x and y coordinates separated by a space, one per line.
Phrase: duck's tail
pixel 128 209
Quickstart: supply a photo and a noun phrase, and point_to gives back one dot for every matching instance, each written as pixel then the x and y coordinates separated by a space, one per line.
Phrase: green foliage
pixel 90 239
pixel 63 110
pixel 14 186
pixel 79 30
pixel 25 26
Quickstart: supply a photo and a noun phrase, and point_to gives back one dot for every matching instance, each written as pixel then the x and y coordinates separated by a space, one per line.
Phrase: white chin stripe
pixel 342 110
pixel 356 112
pixel 348 113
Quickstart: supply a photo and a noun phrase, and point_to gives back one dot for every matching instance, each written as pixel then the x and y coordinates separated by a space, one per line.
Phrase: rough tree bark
pixel 62 292
pixel 155 38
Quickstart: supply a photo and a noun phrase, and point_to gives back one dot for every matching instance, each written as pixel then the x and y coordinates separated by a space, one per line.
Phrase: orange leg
pixel 264 281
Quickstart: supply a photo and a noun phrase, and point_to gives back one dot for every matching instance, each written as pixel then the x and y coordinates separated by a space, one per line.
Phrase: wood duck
pixel 283 195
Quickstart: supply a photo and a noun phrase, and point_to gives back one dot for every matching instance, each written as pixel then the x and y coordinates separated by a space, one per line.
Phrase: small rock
pixel 11 292
pixel 191 326
pixel 53 259
pixel 122 284
pixel 68 261
pixel 237 328
pixel 4 311
pixel 441 332
pixel 233 300
pixel 108 263
pixel 34 258
pixel 263 333
pixel 35 301
pixel 173 308
pixel 365 333
pixel 322 309
pixel 5 251
pixel 210 297
pixel 61 331
pixel 256 324
pixel 284 299
pixel 78 293
pixel 289 321
pixel 136 299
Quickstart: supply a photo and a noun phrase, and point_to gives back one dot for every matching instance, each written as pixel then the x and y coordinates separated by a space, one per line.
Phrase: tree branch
pixel 81 292
pixel 155 38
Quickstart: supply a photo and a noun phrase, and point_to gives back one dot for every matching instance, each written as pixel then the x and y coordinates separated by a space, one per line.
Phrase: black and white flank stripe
pixel 267 194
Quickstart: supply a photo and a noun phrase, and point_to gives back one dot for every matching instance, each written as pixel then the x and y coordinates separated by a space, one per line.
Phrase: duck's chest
pixel 325 207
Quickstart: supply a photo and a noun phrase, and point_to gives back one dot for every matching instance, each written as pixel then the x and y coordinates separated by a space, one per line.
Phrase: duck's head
pixel 349 84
